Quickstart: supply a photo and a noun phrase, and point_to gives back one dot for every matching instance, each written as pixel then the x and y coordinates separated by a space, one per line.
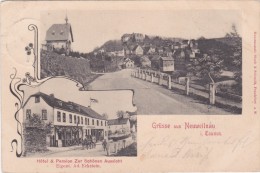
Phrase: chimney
pixel 52 95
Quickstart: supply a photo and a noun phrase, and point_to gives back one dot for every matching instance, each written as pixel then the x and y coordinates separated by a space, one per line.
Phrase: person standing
pixel 104 144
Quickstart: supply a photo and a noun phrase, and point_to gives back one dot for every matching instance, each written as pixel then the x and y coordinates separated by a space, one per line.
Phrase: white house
pixel 128 63
pixel 120 125
pixel 70 121
pixel 138 50
pixel 59 37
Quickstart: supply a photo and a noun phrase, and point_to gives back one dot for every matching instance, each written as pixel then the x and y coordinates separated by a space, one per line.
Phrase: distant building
pixel 138 50
pixel 117 50
pixel 128 63
pixel 184 43
pixel 167 51
pixel 148 50
pixel 176 45
pixel 120 125
pixel 70 121
pixel 59 37
pixel 126 37
pixel 166 64
pixel 159 50
pixel 138 37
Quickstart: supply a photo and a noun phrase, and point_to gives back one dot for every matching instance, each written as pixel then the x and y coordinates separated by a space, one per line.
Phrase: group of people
pixel 89 142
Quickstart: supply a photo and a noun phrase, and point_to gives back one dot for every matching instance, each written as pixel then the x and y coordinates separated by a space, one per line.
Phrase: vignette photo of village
pixel 191 66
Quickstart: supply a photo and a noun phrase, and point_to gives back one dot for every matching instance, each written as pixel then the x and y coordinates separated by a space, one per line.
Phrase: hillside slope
pixel 53 64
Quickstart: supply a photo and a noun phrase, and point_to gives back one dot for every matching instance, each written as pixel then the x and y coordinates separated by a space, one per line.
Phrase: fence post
pixel 169 82
pixel 160 79
pixel 212 91
pixel 152 77
pixel 187 86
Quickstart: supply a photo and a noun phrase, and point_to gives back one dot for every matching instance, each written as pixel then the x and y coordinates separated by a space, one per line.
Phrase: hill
pixel 53 64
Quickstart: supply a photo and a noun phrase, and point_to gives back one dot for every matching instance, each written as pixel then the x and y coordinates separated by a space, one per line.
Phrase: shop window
pixel 64 117
pixel 58 116
pixel 44 114
pixel 70 118
pixel 28 113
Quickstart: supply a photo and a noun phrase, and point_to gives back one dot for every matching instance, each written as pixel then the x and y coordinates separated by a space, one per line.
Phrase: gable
pixel 59 32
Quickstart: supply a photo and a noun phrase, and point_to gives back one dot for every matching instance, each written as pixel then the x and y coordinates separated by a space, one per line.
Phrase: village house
pixel 176 45
pixel 184 44
pixel 126 37
pixel 117 50
pixel 166 64
pixel 71 122
pixel 59 37
pixel 138 37
pixel 159 50
pixel 138 50
pixel 119 126
pixel 148 50
pixel 167 51
pixel 128 63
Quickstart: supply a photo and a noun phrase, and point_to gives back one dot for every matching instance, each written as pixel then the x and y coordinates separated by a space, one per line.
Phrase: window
pixel 101 123
pixel 86 121
pixel 28 113
pixel 97 123
pixel 58 116
pixel 44 114
pixel 81 120
pixel 75 119
pixel 78 120
pixel 93 122
pixel 64 117
pixel 70 118
pixel 37 99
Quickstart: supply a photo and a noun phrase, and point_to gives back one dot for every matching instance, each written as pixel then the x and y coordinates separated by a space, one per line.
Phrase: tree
pixel 207 67
pixel 120 114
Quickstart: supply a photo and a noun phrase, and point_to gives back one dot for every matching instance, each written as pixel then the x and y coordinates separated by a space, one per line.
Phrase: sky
pixel 93 28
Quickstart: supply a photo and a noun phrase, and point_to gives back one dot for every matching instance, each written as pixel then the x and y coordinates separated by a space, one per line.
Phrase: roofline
pixel 56 107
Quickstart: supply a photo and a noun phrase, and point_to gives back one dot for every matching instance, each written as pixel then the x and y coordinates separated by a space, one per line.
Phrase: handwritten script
pixel 190 148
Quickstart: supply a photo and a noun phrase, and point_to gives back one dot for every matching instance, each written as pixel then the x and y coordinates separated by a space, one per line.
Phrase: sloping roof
pixel 119 121
pixel 59 32
pixel 146 49
pixel 167 58
pixel 68 106
pixel 136 47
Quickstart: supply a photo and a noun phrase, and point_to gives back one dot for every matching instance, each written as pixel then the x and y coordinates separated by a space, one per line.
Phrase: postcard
pixel 130 86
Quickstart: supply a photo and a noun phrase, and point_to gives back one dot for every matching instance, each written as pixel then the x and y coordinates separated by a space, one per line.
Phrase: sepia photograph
pixel 177 62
